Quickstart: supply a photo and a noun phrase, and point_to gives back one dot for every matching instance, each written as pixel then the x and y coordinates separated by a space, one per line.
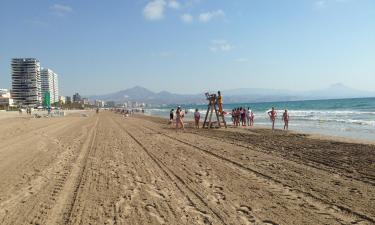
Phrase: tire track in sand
pixel 62 212
pixel 338 210
pixel 168 171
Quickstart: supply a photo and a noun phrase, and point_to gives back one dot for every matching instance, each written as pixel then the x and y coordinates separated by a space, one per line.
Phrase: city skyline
pixel 191 46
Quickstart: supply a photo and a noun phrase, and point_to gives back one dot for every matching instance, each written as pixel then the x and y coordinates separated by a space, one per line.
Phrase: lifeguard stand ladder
pixel 211 108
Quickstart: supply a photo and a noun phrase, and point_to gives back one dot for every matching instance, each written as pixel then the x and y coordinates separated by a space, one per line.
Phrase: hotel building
pixel 26 83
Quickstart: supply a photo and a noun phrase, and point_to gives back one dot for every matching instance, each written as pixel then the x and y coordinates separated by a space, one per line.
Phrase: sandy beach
pixel 108 169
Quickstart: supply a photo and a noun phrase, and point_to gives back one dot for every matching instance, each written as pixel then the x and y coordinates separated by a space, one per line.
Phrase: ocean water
pixel 350 118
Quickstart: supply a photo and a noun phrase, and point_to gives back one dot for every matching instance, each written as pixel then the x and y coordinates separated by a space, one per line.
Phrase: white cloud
pixel 208 16
pixel 154 10
pixel 61 10
pixel 187 18
pixel 220 46
pixel 173 4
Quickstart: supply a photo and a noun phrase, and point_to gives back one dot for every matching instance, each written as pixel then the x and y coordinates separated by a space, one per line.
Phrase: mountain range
pixel 240 95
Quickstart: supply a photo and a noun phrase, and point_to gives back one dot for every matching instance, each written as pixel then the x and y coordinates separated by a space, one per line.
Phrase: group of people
pixel 273 115
pixel 242 116
pixel 180 114
pixel 28 111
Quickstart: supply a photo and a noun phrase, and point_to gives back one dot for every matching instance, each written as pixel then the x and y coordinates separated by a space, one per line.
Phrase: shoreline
pixel 311 135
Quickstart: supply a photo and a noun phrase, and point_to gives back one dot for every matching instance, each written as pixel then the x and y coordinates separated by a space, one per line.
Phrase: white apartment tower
pixel 26 83
pixel 50 84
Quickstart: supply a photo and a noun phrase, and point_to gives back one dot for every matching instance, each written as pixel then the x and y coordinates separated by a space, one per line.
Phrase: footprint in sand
pixel 151 209
pixel 245 215
pixel 269 222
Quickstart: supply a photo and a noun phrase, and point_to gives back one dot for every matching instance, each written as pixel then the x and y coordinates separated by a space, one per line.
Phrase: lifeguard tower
pixel 212 107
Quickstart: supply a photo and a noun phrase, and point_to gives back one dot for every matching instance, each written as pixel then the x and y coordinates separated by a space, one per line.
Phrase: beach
pixel 341 118
pixel 108 169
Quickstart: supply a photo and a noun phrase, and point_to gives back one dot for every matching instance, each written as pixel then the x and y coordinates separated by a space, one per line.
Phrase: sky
pixel 189 46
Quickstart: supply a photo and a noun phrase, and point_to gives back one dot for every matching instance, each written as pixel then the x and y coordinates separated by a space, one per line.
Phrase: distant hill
pixel 240 95
pixel 141 94
pixel 337 91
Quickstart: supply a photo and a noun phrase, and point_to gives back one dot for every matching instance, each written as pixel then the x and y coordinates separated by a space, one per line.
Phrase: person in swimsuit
pixel 286 119
pixel 220 102
pixel 171 114
pixel 197 117
pixel 251 118
pixel 243 117
pixel 272 114
pixel 179 118
pixel 233 116
pixel 238 116
pixel 248 116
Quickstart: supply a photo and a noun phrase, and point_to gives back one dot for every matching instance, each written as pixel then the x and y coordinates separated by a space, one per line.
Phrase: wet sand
pixel 107 169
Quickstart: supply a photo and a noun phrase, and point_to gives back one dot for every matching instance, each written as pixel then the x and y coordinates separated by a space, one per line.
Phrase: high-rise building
pixel 55 88
pixel 68 100
pixel 50 84
pixel 77 98
pixel 26 83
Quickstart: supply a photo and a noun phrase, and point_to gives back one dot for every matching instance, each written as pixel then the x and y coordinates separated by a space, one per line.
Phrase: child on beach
pixel 179 118
pixel 286 119
pixel 197 117
pixel 272 114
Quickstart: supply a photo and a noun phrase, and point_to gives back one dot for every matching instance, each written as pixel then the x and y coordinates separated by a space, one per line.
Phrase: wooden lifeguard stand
pixel 211 108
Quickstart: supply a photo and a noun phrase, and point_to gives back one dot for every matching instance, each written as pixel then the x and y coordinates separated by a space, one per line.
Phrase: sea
pixel 347 118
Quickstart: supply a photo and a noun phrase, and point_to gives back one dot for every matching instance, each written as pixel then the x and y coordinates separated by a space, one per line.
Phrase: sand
pixel 107 169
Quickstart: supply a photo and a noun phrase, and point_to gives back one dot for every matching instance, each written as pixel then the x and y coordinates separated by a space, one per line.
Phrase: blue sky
pixel 189 46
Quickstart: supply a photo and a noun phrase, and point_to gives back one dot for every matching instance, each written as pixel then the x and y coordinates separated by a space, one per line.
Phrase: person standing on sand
pixel 197 117
pixel 286 119
pixel 243 117
pixel 171 115
pixel 179 118
pixel 238 116
pixel 233 116
pixel 272 114
pixel 248 116
pixel 251 118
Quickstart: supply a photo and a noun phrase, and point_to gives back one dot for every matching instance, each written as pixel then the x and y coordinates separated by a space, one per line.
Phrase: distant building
pixel 62 100
pixel 50 84
pixel 4 92
pixel 26 83
pixel 134 104
pixel 110 104
pixel 68 100
pixel 85 101
pixel 99 103
pixel 77 98
pixel 5 98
